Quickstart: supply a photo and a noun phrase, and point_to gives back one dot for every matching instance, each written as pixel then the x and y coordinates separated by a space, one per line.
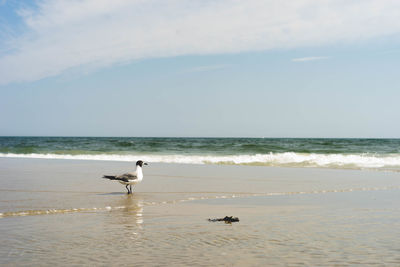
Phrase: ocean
pixel 312 211
pixel 373 154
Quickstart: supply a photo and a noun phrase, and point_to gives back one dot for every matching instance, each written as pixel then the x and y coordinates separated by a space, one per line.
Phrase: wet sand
pixel 61 212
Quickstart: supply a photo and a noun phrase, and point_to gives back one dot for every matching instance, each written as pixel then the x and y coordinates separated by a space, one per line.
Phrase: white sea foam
pixel 287 159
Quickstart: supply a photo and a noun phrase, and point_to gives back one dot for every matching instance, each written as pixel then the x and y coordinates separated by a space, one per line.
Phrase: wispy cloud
pixel 67 34
pixel 207 68
pixel 303 59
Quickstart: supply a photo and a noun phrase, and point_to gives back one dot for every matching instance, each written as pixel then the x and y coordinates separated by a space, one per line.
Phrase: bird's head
pixel 140 163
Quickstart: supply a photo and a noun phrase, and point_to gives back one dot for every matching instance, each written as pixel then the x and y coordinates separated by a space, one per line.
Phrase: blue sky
pixel 200 68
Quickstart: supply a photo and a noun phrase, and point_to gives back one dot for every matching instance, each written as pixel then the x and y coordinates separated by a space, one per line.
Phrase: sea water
pixel 376 154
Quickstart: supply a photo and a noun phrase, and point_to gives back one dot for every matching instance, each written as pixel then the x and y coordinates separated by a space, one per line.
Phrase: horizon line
pixel 205 137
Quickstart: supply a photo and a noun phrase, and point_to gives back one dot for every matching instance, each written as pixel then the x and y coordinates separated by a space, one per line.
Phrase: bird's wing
pixel 127 176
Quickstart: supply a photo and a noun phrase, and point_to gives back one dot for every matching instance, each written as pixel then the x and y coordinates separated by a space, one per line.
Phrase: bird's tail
pixel 111 177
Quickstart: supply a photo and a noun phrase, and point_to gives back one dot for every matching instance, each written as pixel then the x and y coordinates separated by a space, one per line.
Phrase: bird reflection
pixel 128 211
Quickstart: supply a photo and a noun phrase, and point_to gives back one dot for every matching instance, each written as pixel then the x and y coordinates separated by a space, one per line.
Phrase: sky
pixel 220 68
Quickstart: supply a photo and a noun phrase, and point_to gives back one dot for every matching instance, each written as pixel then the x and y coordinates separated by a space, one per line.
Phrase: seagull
pixel 130 178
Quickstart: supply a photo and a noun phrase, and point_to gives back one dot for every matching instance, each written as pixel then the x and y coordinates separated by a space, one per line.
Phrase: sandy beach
pixel 61 212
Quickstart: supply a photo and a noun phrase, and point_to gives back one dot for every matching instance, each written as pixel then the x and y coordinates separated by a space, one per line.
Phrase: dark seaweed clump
pixel 226 219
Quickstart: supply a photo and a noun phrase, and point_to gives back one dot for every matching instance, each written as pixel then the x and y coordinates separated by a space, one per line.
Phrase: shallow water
pixel 294 230
pixel 61 212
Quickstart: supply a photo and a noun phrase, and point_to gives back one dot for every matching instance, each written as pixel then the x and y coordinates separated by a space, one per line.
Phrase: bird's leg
pixel 127 189
pixel 130 187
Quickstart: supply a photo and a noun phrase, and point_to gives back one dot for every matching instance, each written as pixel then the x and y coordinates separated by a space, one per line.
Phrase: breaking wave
pixel 385 162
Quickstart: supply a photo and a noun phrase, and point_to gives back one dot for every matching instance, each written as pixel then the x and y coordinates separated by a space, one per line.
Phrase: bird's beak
pixel 145 163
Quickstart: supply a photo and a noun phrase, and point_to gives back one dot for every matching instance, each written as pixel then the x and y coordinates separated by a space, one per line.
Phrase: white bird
pixel 130 178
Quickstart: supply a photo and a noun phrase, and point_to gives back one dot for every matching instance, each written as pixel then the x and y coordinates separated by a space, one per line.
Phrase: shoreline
pixel 194 164
pixel 174 183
